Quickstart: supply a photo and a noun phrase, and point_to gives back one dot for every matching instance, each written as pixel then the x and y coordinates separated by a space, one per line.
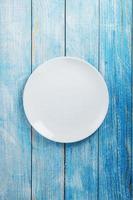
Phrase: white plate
pixel 65 99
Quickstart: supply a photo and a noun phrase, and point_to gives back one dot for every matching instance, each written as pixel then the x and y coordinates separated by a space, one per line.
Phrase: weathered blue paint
pixel 47 156
pixel 81 172
pixel 15 136
pixel 98 168
pixel 115 134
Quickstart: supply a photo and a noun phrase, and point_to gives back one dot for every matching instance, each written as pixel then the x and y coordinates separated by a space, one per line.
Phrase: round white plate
pixel 65 99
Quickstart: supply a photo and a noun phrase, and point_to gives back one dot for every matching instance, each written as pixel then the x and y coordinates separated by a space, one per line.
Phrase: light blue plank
pixel 48 157
pixel 115 134
pixel 82 157
pixel 15 64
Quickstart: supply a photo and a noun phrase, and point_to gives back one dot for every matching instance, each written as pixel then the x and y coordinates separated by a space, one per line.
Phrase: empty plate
pixel 65 99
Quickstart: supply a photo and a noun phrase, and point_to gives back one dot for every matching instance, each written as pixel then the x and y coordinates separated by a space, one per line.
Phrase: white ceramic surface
pixel 65 99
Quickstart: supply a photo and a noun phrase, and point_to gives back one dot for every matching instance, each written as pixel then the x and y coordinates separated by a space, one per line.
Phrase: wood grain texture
pixel 115 134
pixel 82 158
pixel 99 167
pixel 47 156
pixel 15 64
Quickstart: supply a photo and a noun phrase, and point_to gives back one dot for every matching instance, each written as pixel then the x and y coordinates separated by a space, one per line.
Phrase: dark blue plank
pixel 115 134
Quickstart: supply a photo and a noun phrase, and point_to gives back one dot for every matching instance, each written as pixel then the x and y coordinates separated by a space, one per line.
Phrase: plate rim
pixel 75 59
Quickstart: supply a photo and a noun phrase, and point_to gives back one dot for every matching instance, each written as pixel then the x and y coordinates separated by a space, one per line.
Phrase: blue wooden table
pixel 32 167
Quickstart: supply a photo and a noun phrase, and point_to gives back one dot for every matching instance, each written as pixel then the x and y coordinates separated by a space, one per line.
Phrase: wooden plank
pixel 115 134
pixel 15 65
pixel 48 157
pixel 81 158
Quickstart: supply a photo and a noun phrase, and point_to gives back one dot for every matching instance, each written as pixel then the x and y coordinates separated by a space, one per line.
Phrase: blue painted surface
pixel 82 157
pixel 32 167
pixel 47 156
pixel 115 134
pixel 15 137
